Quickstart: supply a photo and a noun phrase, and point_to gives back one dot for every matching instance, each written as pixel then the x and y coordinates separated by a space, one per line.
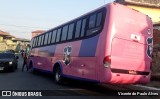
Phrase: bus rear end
pixel 131 42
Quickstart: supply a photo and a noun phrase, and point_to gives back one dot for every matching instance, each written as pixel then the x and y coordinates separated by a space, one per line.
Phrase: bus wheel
pixel 57 75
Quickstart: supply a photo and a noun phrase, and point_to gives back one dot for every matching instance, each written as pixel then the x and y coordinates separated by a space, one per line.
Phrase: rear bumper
pixel 129 79
pixel 120 78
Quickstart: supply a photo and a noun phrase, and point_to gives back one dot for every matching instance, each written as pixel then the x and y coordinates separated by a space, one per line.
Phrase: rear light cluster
pixel 107 61
pixel 149 32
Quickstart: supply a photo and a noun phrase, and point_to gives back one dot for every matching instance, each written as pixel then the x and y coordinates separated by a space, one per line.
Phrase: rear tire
pixel 58 75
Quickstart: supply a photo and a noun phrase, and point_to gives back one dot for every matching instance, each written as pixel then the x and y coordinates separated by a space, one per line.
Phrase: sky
pixel 21 17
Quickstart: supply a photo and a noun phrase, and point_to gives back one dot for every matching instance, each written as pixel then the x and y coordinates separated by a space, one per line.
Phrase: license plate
pixel 1 68
pixel 132 72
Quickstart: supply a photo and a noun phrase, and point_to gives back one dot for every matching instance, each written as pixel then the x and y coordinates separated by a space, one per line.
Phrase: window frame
pixel 39 40
pixel 73 30
pixel 83 28
pixel 46 38
pixel 54 33
pixel 58 36
pixel 79 28
pixel 62 34
pixel 36 42
pixel 94 19
pixel 103 10
pixel 42 41
pixel 49 37
pixel 97 18
pixel 32 41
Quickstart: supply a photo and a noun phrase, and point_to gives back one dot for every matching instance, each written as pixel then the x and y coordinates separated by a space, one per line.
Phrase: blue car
pixel 8 61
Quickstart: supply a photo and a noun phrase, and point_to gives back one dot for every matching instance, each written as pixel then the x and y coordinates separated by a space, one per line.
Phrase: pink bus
pixel 112 44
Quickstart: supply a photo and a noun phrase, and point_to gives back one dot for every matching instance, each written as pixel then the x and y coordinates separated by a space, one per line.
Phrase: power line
pixel 21 26
pixel 17 31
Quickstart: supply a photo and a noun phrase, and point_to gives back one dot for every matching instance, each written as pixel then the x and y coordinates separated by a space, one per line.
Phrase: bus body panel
pixel 123 37
pixel 70 68
pixel 83 59
pixel 128 46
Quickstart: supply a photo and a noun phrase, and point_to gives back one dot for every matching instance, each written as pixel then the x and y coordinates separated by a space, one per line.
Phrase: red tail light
pixel 107 61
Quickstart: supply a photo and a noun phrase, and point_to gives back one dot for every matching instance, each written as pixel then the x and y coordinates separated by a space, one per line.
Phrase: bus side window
pixel 64 33
pixel 58 35
pixel 70 31
pixel 32 42
pixel 78 28
pixel 92 21
pixel 95 23
pixel 54 36
pixel 39 42
pixel 42 41
pixel 49 37
pixel 99 19
pixel 46 39
pixel 83 27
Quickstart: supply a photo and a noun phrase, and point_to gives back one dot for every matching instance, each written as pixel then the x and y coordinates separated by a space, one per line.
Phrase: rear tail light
pixel 107 61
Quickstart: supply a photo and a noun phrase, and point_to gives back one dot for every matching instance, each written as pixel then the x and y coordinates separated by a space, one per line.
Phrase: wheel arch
pixel 57 64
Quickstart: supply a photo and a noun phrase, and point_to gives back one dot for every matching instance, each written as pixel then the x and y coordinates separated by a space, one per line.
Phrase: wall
pixel 156 51
pixel 1 38
pixel 154 13
pixel 3 46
